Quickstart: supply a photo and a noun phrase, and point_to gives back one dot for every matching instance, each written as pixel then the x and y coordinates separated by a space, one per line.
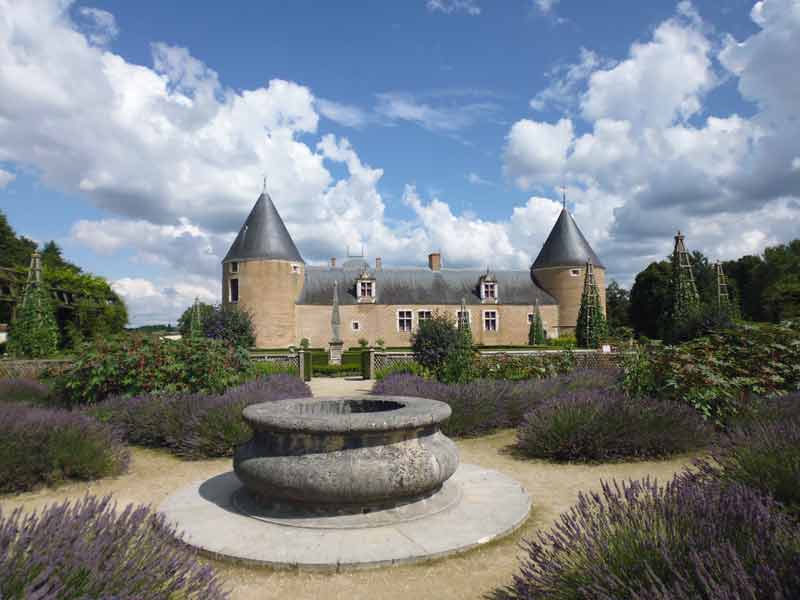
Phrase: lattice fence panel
pixel 390 359
pixel 31 369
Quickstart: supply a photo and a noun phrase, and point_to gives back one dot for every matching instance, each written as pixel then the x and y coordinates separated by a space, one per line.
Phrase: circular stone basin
pixel 350 454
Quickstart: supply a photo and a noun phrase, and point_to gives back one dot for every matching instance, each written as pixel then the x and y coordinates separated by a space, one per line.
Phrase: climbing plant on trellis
pixel 34 332
pixel 591 327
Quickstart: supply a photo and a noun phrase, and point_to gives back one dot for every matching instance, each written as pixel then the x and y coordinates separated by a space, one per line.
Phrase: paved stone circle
pixel 489 505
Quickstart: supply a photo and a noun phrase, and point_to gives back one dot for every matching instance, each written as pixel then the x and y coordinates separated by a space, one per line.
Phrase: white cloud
pixel 563 91
pixel 662 81
pixel 6 178
pixel 469 7
pixel 545 6
pixel 100 25
pixel 344 114
pixel 445 117
pixel 537 151
pixel 152 303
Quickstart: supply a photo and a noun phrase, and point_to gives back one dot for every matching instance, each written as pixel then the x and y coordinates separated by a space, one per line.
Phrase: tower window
pixel 234 267
pixel 490 320
pixel 404 320
pixel 234 290
pixel 530 318
pixel 575 272
pixel 355 325
pixel 295 268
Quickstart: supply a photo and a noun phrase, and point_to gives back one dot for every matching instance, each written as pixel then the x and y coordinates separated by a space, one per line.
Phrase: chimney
pixel 435 261
pixel 333 262
pixel 378 263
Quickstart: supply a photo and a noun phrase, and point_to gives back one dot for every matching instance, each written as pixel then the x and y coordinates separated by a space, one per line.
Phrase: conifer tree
pixel 591 327
pixel 536 336
pixel 34 332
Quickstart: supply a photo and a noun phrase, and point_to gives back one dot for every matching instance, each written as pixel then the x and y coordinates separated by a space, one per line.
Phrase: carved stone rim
pixel 297 414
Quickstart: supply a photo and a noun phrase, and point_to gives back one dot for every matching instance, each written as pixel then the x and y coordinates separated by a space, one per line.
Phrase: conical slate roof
pixel 566 246
pixel 264 236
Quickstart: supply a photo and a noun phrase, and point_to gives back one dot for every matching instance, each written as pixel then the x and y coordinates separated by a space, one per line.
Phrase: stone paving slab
pixel 492 505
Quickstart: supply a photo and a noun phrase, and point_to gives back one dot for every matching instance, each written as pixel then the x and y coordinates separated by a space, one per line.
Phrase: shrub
pixel 484 405
pixel 679 541
pixel 598 425
pixel 27 391
pixel 517 367
pixel 265 368
pixel 230 324
pixel 433 341
pixel 195 426
pixel 765 456
pixel 87 549
pixel 44 446
pixel 722 374
pixel 401 368
pixel 131 365
pixel 336 370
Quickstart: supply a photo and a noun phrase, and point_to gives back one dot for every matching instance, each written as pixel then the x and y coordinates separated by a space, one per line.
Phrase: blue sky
pixel 136 133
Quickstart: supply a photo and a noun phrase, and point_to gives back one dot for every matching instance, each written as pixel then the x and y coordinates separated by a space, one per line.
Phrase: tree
pixel 433 340
pixel 34 332
pixel 649 298
pixel 536 335
pixel 618 304
pixel 52 259
pixel 196 326
pixel 185 320
pixel 591 327
pixel 231 324
pixel 782 299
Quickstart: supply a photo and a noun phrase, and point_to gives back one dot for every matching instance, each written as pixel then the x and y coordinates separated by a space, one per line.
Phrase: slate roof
pixel 566 246
pixel 420 286
pixel 263 235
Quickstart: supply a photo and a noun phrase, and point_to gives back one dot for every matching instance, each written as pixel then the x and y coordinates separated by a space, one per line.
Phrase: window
pixel 490 290
pixel 234 267
pixel 530 318
pixel 575 272
pixel 366 289
pixel 463 317
pixel 404 320
pixel 490 320
pixel 423 315
pixel 295 268
pixel 355 326
pixel 234 291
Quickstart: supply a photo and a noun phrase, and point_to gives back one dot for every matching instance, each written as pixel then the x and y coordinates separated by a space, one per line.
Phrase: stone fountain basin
pixel 356 454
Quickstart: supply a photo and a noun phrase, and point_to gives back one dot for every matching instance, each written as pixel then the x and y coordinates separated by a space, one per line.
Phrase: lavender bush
pixel 87 549
pixel 27 391
pixel 679 541
pixel 45 446
pixel 597 425
pixel 484 405
pixel 196 426
pixel 765 457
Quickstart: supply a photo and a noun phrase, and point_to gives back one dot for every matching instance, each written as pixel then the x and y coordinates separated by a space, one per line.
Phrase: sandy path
pixel 155 474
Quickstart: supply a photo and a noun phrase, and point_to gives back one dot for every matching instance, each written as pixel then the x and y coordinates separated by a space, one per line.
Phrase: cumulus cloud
pixel 469 7
pixel 650 163
pixel 155 303
pixel 476 179
pixel 100 25
pixel 344 114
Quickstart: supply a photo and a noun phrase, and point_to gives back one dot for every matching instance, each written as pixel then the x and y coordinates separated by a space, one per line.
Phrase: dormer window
pixel 488 288
pixel 234 267
pixel 365 287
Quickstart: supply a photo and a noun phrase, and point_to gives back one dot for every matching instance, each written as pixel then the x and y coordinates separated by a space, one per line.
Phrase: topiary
pixel 433 341
pixel 34 332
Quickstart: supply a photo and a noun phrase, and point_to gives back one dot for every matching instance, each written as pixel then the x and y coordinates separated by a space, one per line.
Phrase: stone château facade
pixel 289 300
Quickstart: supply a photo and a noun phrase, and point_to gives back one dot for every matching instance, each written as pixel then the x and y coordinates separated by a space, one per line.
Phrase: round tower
pixel 560 269
pixel 263 273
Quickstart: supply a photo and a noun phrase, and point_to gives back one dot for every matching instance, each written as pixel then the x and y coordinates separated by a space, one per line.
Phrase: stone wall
pixel 380 321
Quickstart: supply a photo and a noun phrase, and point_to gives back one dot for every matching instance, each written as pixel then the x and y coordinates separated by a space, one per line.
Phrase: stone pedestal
pixel 335 353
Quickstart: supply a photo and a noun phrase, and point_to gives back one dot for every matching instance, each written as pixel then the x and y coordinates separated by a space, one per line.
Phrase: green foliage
pixel 433 341
pixel 132 365
pixel 722 373
pixel 400 368
pixel 363 342
pixel 185 320
pixel 782 299
pixel 591 327
pixel 304 343
pixel 230 324
pixel 34 333
pixel 459 362
pixel 514 367
pixel 536 335
pixel 336 370
pixel 650 298
pixel 265 368
pixel 14 251
pixel 618 303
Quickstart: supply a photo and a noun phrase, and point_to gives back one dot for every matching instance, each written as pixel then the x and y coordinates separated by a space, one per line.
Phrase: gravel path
pixel 337 386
